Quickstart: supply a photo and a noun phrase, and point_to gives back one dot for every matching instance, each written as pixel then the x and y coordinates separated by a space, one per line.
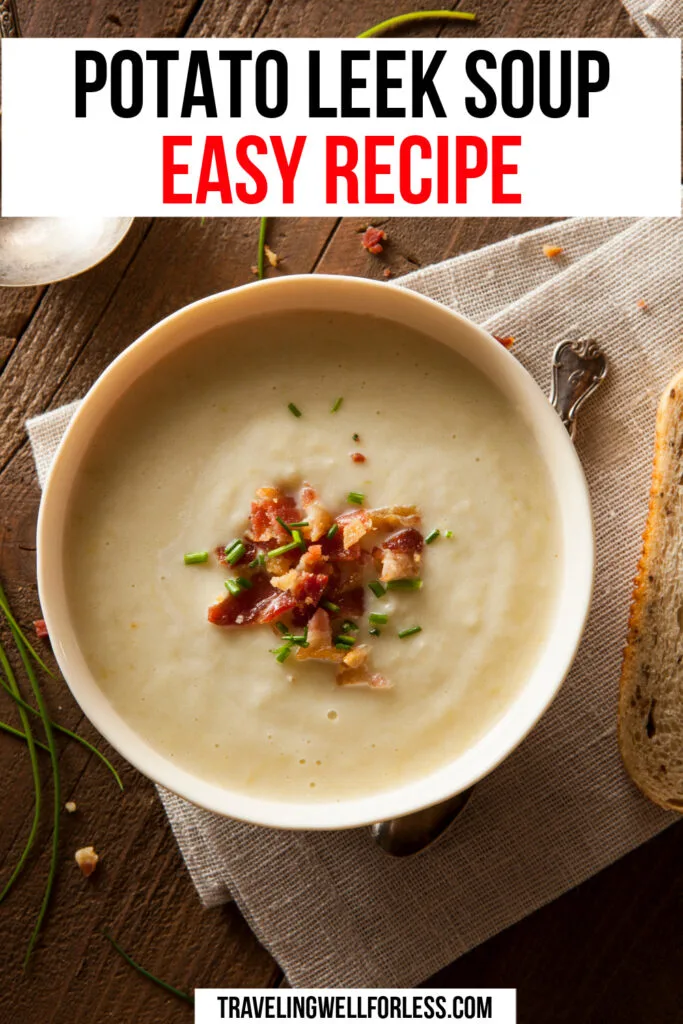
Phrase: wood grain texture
pixel 571 960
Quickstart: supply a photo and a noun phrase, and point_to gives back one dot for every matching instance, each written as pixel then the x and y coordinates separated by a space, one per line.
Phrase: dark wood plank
pixel 53 344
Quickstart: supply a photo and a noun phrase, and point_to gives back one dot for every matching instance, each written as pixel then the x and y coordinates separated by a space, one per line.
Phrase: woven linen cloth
pixel 332 908
pixel 660 18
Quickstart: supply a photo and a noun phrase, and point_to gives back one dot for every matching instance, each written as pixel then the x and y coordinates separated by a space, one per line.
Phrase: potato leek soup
pixel 312 556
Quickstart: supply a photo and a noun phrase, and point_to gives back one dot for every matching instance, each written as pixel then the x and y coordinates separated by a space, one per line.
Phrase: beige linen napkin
pixel 331 907
pixel 660 18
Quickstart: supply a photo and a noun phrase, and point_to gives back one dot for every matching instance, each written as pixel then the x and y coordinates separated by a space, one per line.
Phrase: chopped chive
pixel 332 531
pixel 299 640
pixel 343 638
pixel 355 497
pixel 347 625
pixel 299 539
pixel 244 583
pixel 378 589
pixel 411 631
pixel 431 537
pixel 284 525
pixel 374 632
pixel 337 405
pixel 196 557
pixel 282 550
pixel 355 437
pixel 283 653
pixel 235 553
pixel 234 587
pixel 377 619
pixel 330 607
pixel 231 545
pixel 298 526
pixel 281 626
pixel 406 584
pixel 448 533
pixel 185 996
pixel 294 410
pixel 260 560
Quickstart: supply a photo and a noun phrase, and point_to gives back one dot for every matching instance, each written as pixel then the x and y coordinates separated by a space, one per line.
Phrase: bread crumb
pixel 87 859
pixel 271 256
pixel 388 271
pixel 505 342
pixel 642 304
pixel 70 806
pixel 551 251
pixel 254 269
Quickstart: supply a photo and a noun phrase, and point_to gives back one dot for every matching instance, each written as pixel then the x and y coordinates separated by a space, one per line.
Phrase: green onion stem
pixel 233 587
pixel 378 589
pixel 431 537
pixel 330 606
pixel 282 550
pixel 284 525
pixel 411 631
pixel 332 531
pixel 261 247
pixel 404 584
pixel 5 727
pixel 337 405
pixel 66 732
pixel 35 771
pixel 298 526
pixel 235 553
pixel 185 996
pixel 14 625
pixel 49 736
pixel 355 497
pixel 403 19
pixel 378 619
pixel 196 557
pixel 294 409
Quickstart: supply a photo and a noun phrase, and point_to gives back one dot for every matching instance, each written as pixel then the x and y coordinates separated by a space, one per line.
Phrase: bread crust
pixel 643 682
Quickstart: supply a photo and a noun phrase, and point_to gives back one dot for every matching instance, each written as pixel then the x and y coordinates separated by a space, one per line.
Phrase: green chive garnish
pixel 344 638
pixel 196 557
pixel 332 531
pixel 355 437
pixel 377 588
pixel 298 526
pixel 244 583
pixel 347 625
pixel 260 560
pixel 282 550
pixel 431 537
pixel 378 620
pixel 330 607
pixel 234 552
pixel 281 626
pixel 294 410
pixel 284 525
pixel 355 497
pixel 234 587
pixel 374 632
pixel 448 533
pixel 409 584
pixel 337 405
pixel 283 653
pixel 299 539
pixel 185 996
pixel 411 631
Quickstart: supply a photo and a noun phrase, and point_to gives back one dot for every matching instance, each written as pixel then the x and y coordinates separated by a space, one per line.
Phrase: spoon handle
pixel 579 367
pixel 9 20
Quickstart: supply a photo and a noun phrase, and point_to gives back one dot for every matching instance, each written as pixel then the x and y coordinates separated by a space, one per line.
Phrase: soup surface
pixel 174 469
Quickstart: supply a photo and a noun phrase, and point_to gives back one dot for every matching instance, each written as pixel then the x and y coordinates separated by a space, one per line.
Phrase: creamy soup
pixel 174 469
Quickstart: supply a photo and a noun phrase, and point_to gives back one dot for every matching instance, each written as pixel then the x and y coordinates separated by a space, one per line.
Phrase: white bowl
pixel 562 465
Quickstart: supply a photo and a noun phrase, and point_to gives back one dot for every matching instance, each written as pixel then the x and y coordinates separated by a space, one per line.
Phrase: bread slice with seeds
pixel 651 690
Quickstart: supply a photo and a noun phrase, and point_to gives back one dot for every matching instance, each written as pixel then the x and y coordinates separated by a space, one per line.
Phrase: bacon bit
pixel 272 258
pixel 357 656
pixel 388 272
pixel 351 602
pixel 319 519
pixel 268 504
pixel 372 239
pixel 320 647
pixel 551 251
pixel 313 560
pixel 87 859
pixel 40 626
pixel 358 457
pixel 409 540
pixel 356 524
pixel 505 342
pixel 642 304
pixel 361 677
pixel 305 587
pixel 260 604
pixel 401 555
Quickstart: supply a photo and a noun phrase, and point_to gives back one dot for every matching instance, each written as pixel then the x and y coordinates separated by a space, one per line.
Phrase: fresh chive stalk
pixel 431 537
pixel 185 996
pixel 378 589
pixel 234 552
pixel 377 619
pixel 298 526
pixel 355 497
pixel 261 247
pixel 406 584
pixel 66 732
pixel 244 583
pixel 283 653
pixel 337 405
pixel 233 587
pixel 347 625
pixel 284 525
pixel 411 631
pixel 330 606
pixel 296 534
pixel 11 731
pixel 344 640
pixel 333 530
pixel 283 549
pixel 374 632
pixel 260 560
pixel 295 411
pixel 448 533
pixel 404 19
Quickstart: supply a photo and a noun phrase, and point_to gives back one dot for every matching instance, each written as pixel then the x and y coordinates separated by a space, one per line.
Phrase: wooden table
pixel 608 951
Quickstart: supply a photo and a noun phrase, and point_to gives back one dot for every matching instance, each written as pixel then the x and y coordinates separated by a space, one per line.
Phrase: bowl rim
pixel 531 701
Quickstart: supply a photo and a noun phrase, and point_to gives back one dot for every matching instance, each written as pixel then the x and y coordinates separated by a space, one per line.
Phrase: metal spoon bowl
pixel 40 250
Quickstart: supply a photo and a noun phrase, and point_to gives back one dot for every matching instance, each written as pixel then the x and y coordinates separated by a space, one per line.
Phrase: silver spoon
pixel 579 367
pixel 40 250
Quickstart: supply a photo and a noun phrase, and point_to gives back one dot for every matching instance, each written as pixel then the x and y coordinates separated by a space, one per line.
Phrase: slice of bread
pixel 651 691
